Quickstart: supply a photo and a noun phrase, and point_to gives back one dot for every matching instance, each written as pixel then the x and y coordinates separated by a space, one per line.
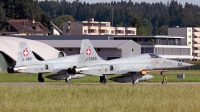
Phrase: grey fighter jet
pixel 27 63
pixel 133 68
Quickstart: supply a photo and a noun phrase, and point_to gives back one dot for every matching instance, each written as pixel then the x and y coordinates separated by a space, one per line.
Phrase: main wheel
pixel 67 80
pixel 40 78
pixel 135 82
pixel 103 79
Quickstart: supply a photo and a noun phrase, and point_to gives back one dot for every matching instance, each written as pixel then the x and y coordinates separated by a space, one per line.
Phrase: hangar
pixel 9 49
pixel 106 49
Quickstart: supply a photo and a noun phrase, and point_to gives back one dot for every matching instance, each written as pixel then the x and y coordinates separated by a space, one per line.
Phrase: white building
pixel 192 38
pixel 92 27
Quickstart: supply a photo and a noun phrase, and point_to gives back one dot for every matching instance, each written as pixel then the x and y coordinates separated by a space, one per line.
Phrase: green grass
pixel 100 98
pixel 191 76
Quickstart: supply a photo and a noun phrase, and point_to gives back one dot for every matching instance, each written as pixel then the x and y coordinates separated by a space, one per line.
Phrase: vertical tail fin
pixel 88 54
pixel 24 55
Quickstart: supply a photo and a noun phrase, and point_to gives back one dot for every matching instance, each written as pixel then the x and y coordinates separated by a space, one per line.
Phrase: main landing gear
pixel 103 79
pixel 135 80
pixel 68 79
pixel 40 78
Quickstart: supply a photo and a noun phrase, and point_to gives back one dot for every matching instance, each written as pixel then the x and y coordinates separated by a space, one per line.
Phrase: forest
pixel 151 19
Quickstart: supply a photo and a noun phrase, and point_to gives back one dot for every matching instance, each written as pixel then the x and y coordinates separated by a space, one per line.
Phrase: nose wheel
pixel 40 78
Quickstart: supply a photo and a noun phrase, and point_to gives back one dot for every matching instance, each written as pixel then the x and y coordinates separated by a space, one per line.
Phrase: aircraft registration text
pixel 91 58
pixel 27 59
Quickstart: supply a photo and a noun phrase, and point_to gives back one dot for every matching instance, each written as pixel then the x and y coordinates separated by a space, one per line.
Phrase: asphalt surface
pixel 24 84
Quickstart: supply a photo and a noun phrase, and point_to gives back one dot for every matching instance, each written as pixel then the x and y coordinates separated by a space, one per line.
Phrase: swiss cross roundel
pixel 25 52
pixel 88 51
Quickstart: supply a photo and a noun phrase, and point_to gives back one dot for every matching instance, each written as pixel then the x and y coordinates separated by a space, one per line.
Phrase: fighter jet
pixel 133 69
pixel 27 63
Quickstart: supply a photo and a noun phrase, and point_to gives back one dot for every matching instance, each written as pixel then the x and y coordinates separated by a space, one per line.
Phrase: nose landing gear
pixel 164 80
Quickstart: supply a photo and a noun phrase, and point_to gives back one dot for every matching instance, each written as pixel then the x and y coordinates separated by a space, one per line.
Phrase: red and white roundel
pixel 25 52
pixel 88 51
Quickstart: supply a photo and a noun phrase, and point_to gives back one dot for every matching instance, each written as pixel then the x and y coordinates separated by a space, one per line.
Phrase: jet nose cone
pixel 187 64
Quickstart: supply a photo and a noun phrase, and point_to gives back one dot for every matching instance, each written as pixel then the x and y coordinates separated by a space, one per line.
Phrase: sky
pixel 196 2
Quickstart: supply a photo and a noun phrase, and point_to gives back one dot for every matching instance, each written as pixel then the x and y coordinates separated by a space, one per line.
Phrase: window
pixel 70 49
pixel 67 31
pixel 189 30
pixel 189 42
pixel 98 49
pixel 61 49
pixel 112 31
pixel 189 36
pixel 132 49
pixel 85 31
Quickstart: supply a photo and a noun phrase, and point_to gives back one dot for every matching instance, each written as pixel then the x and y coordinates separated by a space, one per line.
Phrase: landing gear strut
pixel 164 80
pixel 103 79
pixel 40 78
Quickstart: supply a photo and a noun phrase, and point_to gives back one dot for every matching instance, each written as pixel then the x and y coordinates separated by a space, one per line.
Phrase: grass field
pixel 191 76
pixel 101 98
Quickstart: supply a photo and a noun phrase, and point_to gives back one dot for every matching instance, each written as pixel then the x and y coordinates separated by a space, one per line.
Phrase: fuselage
pixel 52 65
pixel 138 63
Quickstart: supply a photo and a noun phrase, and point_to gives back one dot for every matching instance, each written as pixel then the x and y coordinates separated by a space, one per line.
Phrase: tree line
pixel 151 19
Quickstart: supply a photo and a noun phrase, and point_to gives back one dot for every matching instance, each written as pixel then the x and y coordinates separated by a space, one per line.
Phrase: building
pixel 192 38
pixel 23 27
pixel 169 47
pixel 92 27
pixel 106 49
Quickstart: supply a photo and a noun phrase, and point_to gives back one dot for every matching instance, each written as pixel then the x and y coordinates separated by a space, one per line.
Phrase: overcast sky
pixel 197 2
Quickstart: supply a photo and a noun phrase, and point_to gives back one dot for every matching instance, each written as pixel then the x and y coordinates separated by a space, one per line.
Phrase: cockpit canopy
pixel 154 55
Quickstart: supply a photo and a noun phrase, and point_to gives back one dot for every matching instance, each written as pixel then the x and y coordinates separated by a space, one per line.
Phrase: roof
pixel 91 37
pixel 143 36
pixel 77 43
pixel 9 45
pixel 66 37
pixel 24 25
pixel 56 27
